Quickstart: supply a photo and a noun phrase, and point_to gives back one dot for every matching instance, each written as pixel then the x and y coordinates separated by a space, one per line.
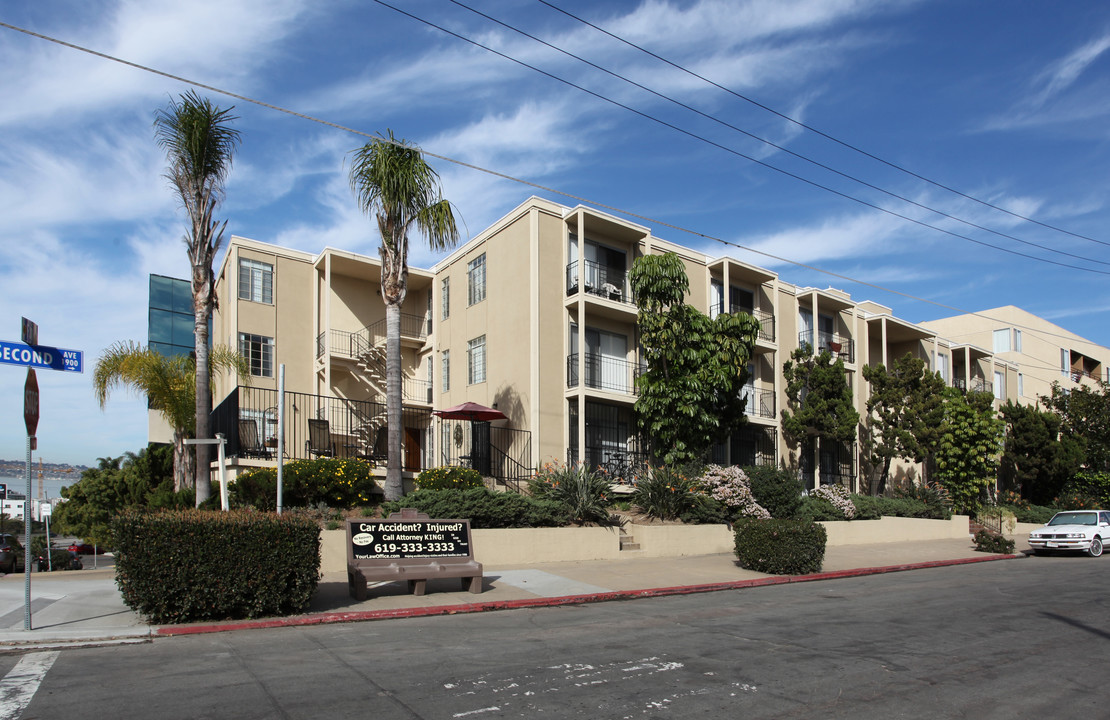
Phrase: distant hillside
pixel 63 471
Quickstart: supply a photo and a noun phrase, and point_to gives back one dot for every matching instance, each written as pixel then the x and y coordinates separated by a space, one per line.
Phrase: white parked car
pixel 1083 530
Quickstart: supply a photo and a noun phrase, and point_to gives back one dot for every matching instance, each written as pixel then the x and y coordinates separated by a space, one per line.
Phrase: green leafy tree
pixel 393 183
pixel 969 449
pixel 169 386
pixel 819 401
pixel 1037 459
pixel 114 485
pixel 199 143
pixel 1085 416
pixel 904 413
pixel 691 394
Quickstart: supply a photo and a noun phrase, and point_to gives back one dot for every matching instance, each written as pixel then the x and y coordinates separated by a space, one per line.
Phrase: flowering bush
pixel 666 493
pixel 839 497
pixel 449 478
pixel 335 482
pixel 730 487
pixel 582 491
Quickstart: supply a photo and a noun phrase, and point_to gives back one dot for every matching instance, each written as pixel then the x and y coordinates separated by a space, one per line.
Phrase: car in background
pixel 11 553
pixel 1074 530
pixel 83 548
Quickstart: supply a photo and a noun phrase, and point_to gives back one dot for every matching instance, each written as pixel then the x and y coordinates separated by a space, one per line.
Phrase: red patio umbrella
pixel 471 411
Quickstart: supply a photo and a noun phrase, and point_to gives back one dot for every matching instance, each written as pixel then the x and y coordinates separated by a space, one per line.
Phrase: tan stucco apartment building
pixel 534 317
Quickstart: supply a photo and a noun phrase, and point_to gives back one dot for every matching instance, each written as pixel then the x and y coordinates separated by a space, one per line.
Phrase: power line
pixel 770 143
pixel 816 131
pixel 732 151
pixel 537 186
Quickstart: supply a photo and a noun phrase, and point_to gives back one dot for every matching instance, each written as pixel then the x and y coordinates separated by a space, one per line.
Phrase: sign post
pixel 31 419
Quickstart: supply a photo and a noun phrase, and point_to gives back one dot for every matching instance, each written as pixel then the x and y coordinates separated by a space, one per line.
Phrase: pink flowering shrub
pixel 730 487
pixel 839 497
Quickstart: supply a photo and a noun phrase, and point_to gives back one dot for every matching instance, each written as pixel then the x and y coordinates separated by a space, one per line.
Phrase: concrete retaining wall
pixel 519 546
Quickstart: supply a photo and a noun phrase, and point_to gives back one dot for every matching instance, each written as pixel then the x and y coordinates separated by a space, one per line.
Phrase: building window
pixel 476 360
pixel 446 298
pixel 476 280
pixel 1002 340
pixel 446 370
pixel 999 385
pixel 259 353
pixel 1021 385
pixel 256 281
pixel 942 367
pixel 1065 361
pixel 1017 340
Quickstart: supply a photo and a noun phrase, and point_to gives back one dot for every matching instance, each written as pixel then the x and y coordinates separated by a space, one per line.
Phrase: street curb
pixel 369 615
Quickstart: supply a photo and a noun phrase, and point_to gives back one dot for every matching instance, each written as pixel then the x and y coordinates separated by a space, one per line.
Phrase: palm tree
pixel 392 182
pixel 199 145
pixel 169 383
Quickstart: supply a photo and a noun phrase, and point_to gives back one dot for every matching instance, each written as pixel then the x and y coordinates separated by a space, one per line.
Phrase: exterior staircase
pixel 628 543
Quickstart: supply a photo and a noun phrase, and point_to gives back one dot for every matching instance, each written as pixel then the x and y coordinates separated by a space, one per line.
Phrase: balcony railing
pixel 976 385
pixel 604 373
pixel 623 465
pixel 600 280
pixel 353 343
pixel 761 403
pixel 838 345
pixel 766 319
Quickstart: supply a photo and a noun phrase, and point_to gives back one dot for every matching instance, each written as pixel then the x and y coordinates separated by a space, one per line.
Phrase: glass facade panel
pixel 170 328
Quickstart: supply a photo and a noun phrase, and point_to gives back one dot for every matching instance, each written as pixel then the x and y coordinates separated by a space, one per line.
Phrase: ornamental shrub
pixel 190 565
pixel 778 491
pixel 933 495
pixel 837 496
pixel 1089 484
pixel 991 543
pixel 729 486
pixel 666 493
pixel 780 547
pixel 335 482
pixel 1028 513
pixel 483 507
pixel 583 492
pixel 449 478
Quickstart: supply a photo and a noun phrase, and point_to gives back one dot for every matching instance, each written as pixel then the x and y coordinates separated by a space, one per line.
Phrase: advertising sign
pixel 409 539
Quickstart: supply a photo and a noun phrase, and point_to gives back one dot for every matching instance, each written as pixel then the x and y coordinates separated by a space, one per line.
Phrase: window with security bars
pixel 259 353
pixel 256 281
pixel 446 370
pixel 446 298
pixel 476 360
pixel 476 280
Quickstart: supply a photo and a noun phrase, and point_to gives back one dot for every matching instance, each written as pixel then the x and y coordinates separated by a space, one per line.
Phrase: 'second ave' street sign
pixel 31 405
pixel 41 356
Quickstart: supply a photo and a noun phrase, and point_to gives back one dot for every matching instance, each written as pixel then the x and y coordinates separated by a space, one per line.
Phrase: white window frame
pixel 1017 340
pixel 476 360
pixel 256 281
pixel 445 292
pixel 445 362
pixel 476 280
pixel 259 353
pixel 1001 339
pixel 999 385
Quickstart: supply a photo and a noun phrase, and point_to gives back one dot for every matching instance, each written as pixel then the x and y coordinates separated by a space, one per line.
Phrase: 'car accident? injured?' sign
pixel 409 539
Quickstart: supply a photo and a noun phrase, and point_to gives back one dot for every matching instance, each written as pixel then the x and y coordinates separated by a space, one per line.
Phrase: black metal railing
pixel 622 465
pixel 498 452
pixel 369 350
pixel 600 280
pixel 760 403
pixel 604 373
pixel 976 385
pixel 354 343
pixel 838 345
pixel 766 325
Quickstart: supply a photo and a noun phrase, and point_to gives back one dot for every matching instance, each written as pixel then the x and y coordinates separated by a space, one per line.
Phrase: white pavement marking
pixel 20 685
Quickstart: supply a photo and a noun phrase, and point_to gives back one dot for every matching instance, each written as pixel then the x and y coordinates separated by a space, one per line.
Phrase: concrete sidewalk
pixel 84 607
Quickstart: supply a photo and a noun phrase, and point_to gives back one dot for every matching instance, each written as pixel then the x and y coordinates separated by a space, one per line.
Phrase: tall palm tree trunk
pixel 394 486
pixel 183 462
pixel 202 310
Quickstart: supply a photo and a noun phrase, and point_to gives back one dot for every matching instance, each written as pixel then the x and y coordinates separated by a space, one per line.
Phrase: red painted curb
pixel 367 615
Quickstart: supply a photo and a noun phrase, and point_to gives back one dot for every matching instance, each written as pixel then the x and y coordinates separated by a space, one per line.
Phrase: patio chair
pixel 319 443
pixel 249 444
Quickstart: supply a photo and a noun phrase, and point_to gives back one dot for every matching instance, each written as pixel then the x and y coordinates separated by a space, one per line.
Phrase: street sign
pixel 42 356
pixel 30 332
pixel 31 402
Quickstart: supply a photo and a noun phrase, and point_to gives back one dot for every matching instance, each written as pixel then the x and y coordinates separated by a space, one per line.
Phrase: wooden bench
pixel 409 546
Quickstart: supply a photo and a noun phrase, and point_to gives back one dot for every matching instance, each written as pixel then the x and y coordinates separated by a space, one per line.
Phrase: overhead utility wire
pixel 521 181
pixel 812 129
pixel 781 148
pixel 733 151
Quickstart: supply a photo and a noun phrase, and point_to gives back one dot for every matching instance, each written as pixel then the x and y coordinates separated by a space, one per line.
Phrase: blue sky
pixel 1005 101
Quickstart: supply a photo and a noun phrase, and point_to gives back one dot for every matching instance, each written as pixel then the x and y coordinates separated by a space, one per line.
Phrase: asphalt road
pixel 1013 639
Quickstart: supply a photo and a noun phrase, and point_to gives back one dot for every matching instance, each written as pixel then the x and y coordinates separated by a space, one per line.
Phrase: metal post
pixel 27 543
pixel 223 472
pixel 281 432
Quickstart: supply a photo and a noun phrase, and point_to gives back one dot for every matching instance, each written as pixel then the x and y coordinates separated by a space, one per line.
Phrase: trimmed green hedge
pixel 190 565
pixel 484 508
pixel 778 491
pixel 780 547
pixel 871 507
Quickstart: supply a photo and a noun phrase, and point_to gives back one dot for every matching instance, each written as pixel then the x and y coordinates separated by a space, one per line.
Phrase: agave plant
pixel 583 491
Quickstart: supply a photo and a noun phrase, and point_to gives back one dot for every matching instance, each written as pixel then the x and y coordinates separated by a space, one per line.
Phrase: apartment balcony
pixel 352 344
pixel 599 281
pixel 766 320
pixel 760 403
pixel 838 345
pixel 603 372
pixel 976 385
